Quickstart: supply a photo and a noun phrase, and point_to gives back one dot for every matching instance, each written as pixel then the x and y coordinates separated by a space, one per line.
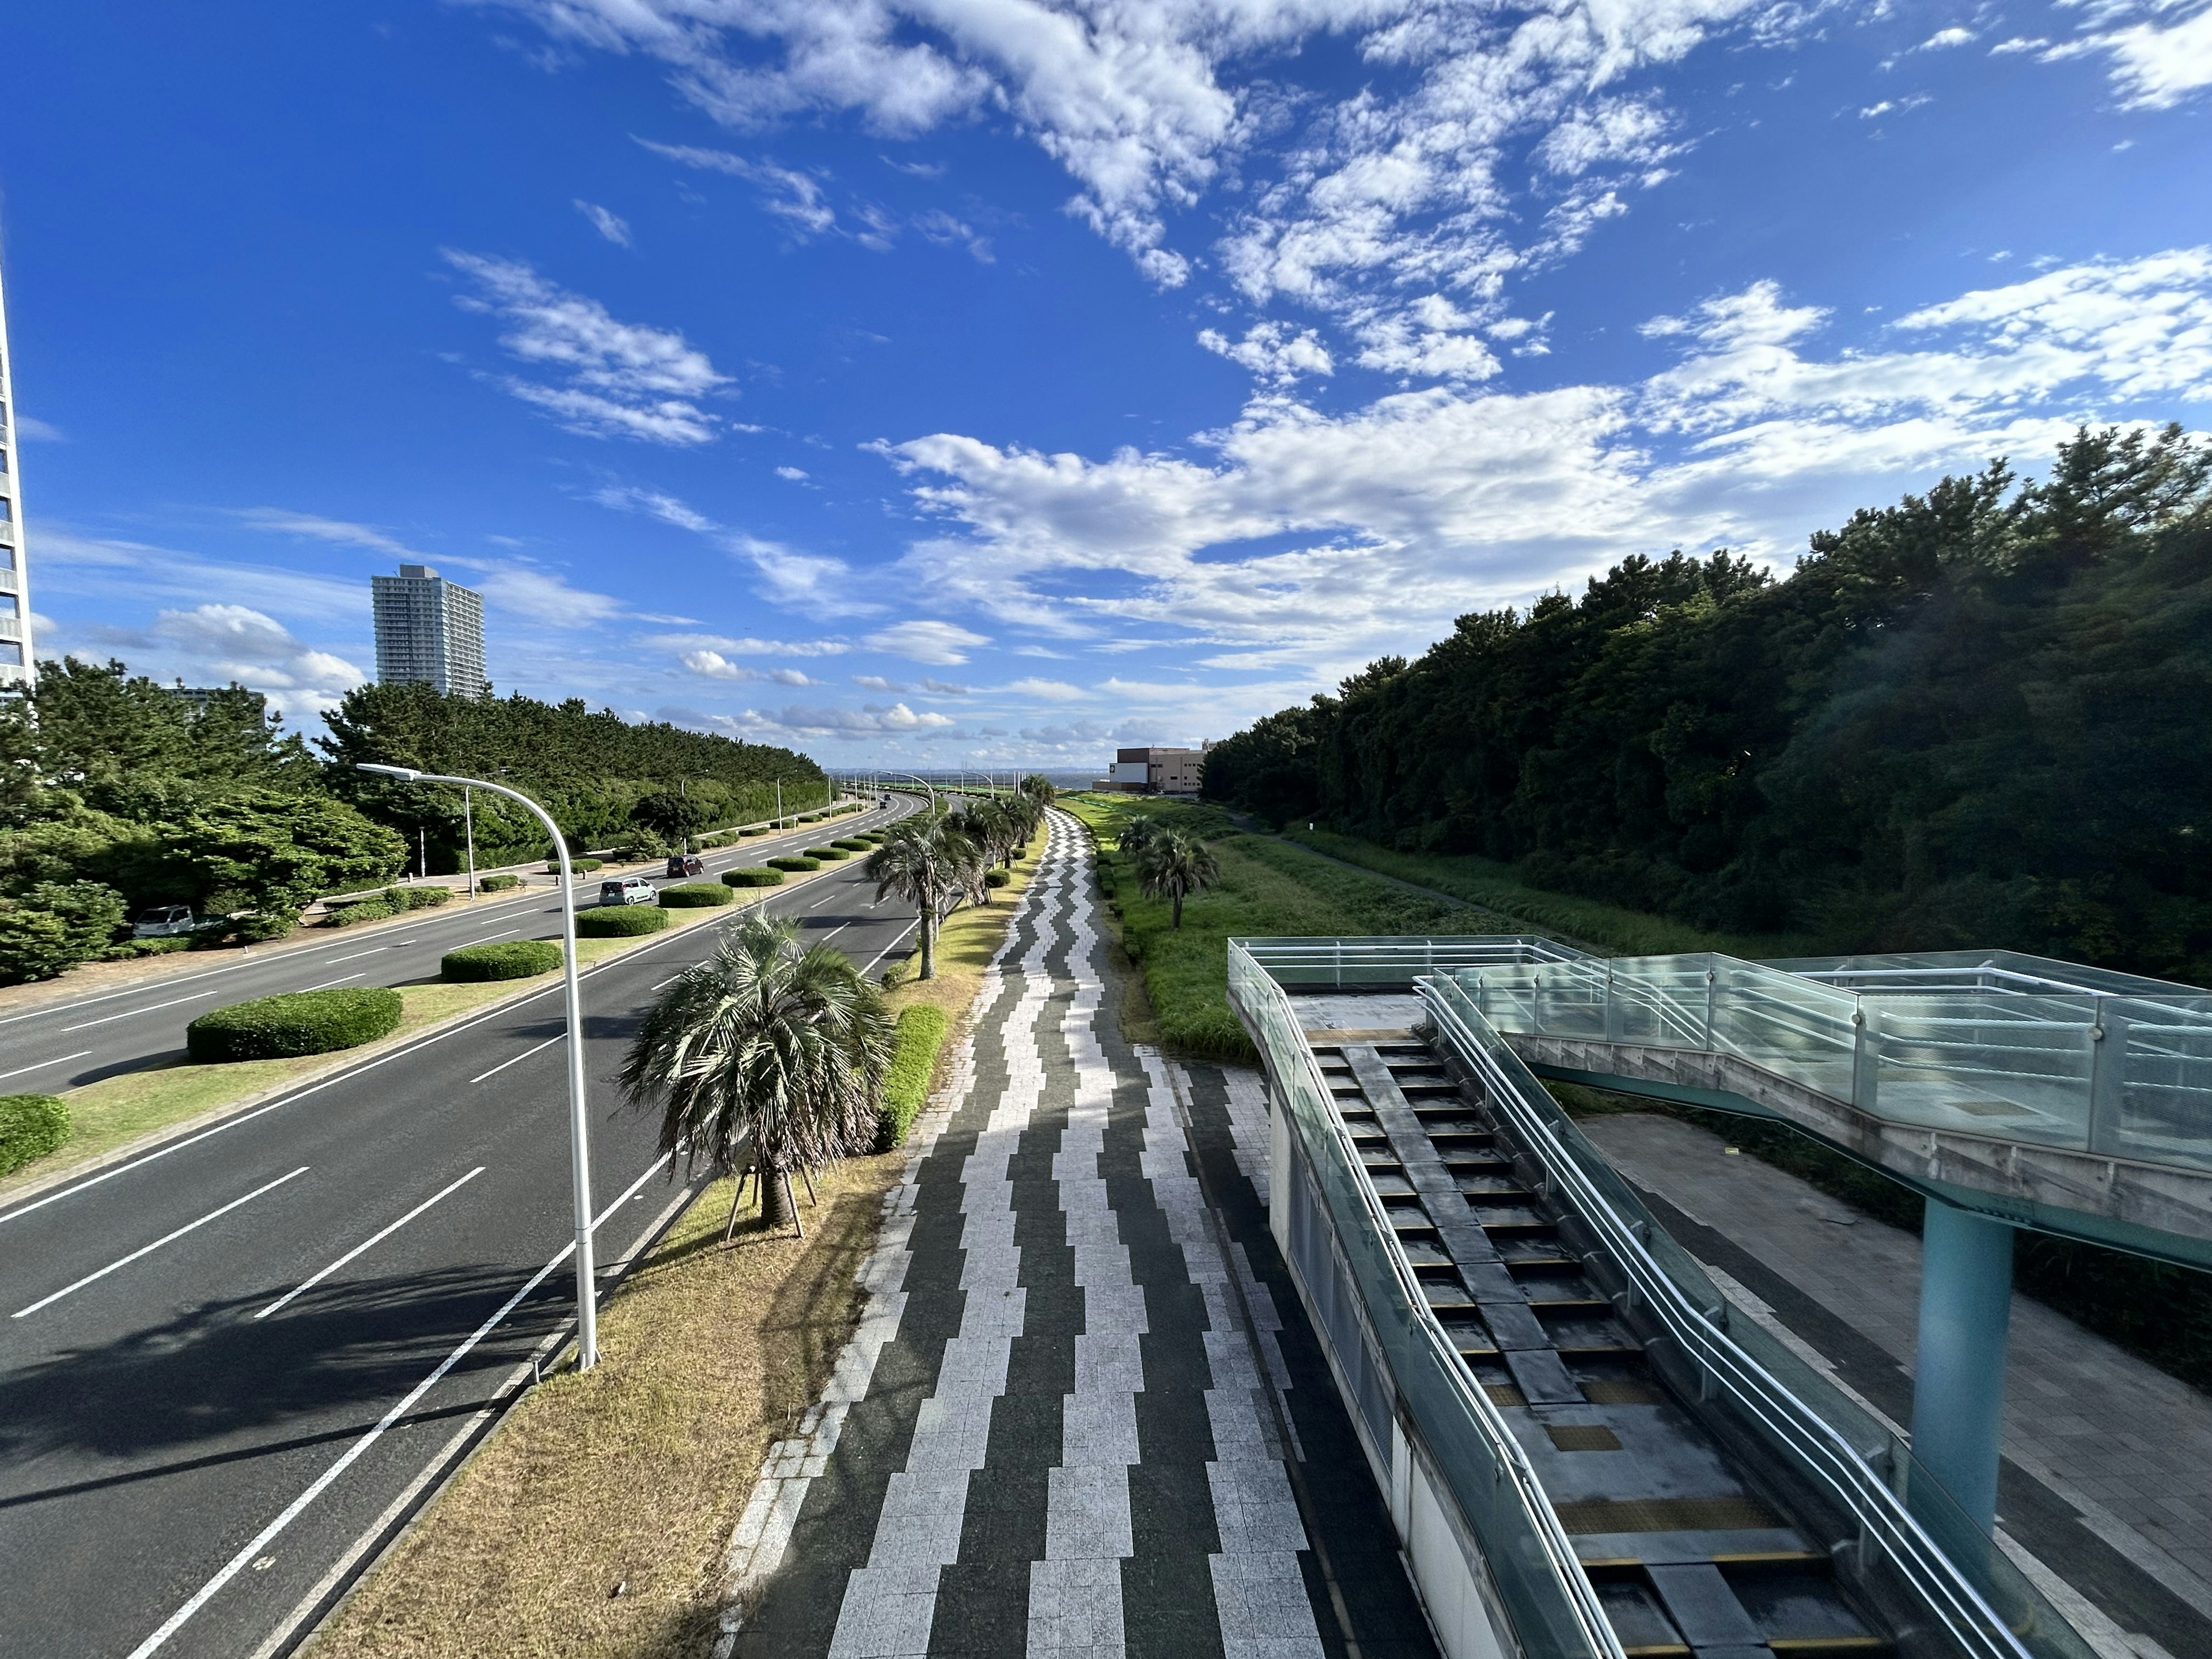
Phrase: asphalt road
pixel 80 1040
pixel 229 1368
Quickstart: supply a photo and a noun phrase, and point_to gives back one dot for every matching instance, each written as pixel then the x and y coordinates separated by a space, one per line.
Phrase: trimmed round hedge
pixel 608 922
pixel 31 1126
pixel 754 829
pixel 996 878
pixel 851 844
pixel 296 1022
pixel 696 895
pixel 794 863
pixel 828 854
pixel 498 883
pixel 512 958
pixel 753 878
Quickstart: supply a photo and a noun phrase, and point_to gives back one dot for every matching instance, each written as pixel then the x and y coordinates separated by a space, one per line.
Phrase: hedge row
pixel 828 854
pixel 608 922
pixel 906 1084
pixel 146 947
pixel 296 1022
pixel 696 895
pixel 795 864
pixel 513 958
pixel 853 844
pixel 498 883
pixel 753 878
pixel 579 867
pixel 31 1126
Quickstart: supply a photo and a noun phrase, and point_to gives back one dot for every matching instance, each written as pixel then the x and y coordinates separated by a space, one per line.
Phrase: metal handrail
pixel 1579 1597
pixel 1964 1612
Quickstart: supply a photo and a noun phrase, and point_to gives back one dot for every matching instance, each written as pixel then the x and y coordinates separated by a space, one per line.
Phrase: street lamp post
pixel 579 1161
pixel 469 828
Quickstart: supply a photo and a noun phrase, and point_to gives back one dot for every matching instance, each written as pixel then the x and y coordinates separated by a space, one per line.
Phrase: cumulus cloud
pixel 218 644
pixel 615 229
pixel 940 644
pixel 2160 51
pixel 1272 352
pixel 878 682
pixel 800 722
pixel 622 379
pixel 1314 538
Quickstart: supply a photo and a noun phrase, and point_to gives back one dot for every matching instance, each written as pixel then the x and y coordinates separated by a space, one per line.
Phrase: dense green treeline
pixel 588 767
pixel 1975 718
pixel 117 793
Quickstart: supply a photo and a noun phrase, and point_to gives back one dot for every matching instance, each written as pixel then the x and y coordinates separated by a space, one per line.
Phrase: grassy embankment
pixel 594 1523
pixel 117 1110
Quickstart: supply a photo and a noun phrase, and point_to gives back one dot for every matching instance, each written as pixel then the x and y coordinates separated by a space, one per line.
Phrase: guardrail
pixel 1400 1369
pixel 1374 1315
pixel 1988 1608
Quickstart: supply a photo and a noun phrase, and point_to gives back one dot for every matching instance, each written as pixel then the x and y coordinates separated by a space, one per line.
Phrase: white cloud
pixel 938 643
pixel 814 583
pixel 624 379
pixel 343 532
pixel 790 676
pixel 746 648
pixel 615 230
pixel 38 431
pixel 877 683
pixel 1944 39
pixel 1047 690
pixel 236 642
pixel 940 226
pixel 795 474
pixel 945 688
pixel 794 197
pixel 716 666
pixel 1378 525
pixel 799 722
pixel 1272 352
pixel 2161 57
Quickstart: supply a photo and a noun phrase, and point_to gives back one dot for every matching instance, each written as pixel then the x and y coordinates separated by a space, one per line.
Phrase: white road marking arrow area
pixel 148 1250
pixel 306 1285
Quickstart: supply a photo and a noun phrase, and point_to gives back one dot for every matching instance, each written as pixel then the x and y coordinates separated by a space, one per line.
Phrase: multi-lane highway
pixel 77 1040
pixel 229 1369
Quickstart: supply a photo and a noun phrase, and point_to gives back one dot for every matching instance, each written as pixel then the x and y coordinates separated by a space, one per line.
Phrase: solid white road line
pixel 306 1285
pixel 489 937
pixel 328 983
pixel 887 950
pixel 131 1013
pixel 166 1238
pixel 352 1455
pixel 358 955
pixel 533 1049
pixel 43 1064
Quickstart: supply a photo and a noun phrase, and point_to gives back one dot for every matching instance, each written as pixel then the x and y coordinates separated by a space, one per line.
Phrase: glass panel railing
pixel 1524 1552
pixel 1984 1063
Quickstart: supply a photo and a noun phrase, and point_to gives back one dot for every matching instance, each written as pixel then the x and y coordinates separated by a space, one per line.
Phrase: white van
pixel 164 921
pixel 629 889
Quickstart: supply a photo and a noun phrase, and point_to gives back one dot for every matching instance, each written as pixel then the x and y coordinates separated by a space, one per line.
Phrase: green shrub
pixel 811 818
pixel 416 898
pixel 31 1126
pixel 794 863
pixel 827 854
pixel 754 829
pixel 577 866
pixel 260 927
pixel 853 844
pixel 54 927
pixel 368 910
pixel 510 958
pixel 296 1022
pixel 498 883
pixel 996 878
pixel 753 878
pixel 146 947
pixel 906 1084
pixel 608 922
pixel 696 895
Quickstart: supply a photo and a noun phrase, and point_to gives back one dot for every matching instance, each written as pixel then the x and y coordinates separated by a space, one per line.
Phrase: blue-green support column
pixel 1957 1385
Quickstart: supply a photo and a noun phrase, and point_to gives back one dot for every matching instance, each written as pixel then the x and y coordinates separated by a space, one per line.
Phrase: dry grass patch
pixel 634 1474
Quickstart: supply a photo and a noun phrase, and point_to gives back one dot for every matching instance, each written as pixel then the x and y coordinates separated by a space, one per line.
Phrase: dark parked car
pixel 686 864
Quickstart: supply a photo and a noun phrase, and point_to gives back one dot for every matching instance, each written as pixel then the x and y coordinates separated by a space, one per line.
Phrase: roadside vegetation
pixel 1969 719
pixel 117 794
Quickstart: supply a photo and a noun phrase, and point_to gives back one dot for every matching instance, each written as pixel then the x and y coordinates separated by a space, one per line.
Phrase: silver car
pixel 164 921
pixel 627 890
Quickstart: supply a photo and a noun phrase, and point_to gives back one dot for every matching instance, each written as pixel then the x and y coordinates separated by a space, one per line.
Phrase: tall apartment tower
pixel 429 631
pixel 17 665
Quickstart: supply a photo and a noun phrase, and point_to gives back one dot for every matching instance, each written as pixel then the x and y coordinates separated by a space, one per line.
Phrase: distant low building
pixel 1155 771
pixel 429 631
pixel 195 698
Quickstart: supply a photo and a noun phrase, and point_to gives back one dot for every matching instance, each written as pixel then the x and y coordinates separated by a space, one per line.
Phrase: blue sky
pixel 942 381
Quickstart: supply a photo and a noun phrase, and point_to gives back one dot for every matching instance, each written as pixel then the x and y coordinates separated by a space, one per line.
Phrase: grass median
pixel 110 1114
pixel 594 1522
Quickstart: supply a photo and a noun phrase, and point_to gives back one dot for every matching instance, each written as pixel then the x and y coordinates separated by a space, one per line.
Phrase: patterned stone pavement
pixel 1083 1414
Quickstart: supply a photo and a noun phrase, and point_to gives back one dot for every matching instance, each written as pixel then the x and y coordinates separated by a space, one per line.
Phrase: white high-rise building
pixel 429 631
pixel 17 665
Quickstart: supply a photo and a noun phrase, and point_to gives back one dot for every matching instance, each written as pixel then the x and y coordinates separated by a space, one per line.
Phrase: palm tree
pixel 1137 833
pixel 932 868
pixel 770 1042
pixel 1172 865
pixel 1038 789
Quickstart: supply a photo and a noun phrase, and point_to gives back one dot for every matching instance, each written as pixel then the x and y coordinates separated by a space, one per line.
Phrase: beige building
pixel 1155 771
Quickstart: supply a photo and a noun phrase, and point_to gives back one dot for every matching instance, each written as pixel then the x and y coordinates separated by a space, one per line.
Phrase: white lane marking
pixel 489 937
pixel 533 1049
pixel 358 955
pixel 166 1238
pixel 823 900
pixel 501 1012
pixel 43 1064
pixel 131 1013
pixel 327 983
pixel 306 1285
pixel 887 950
pixel 352 1453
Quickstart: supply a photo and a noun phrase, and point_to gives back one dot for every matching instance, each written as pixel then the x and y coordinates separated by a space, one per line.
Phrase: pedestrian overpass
pixel 1586 1455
